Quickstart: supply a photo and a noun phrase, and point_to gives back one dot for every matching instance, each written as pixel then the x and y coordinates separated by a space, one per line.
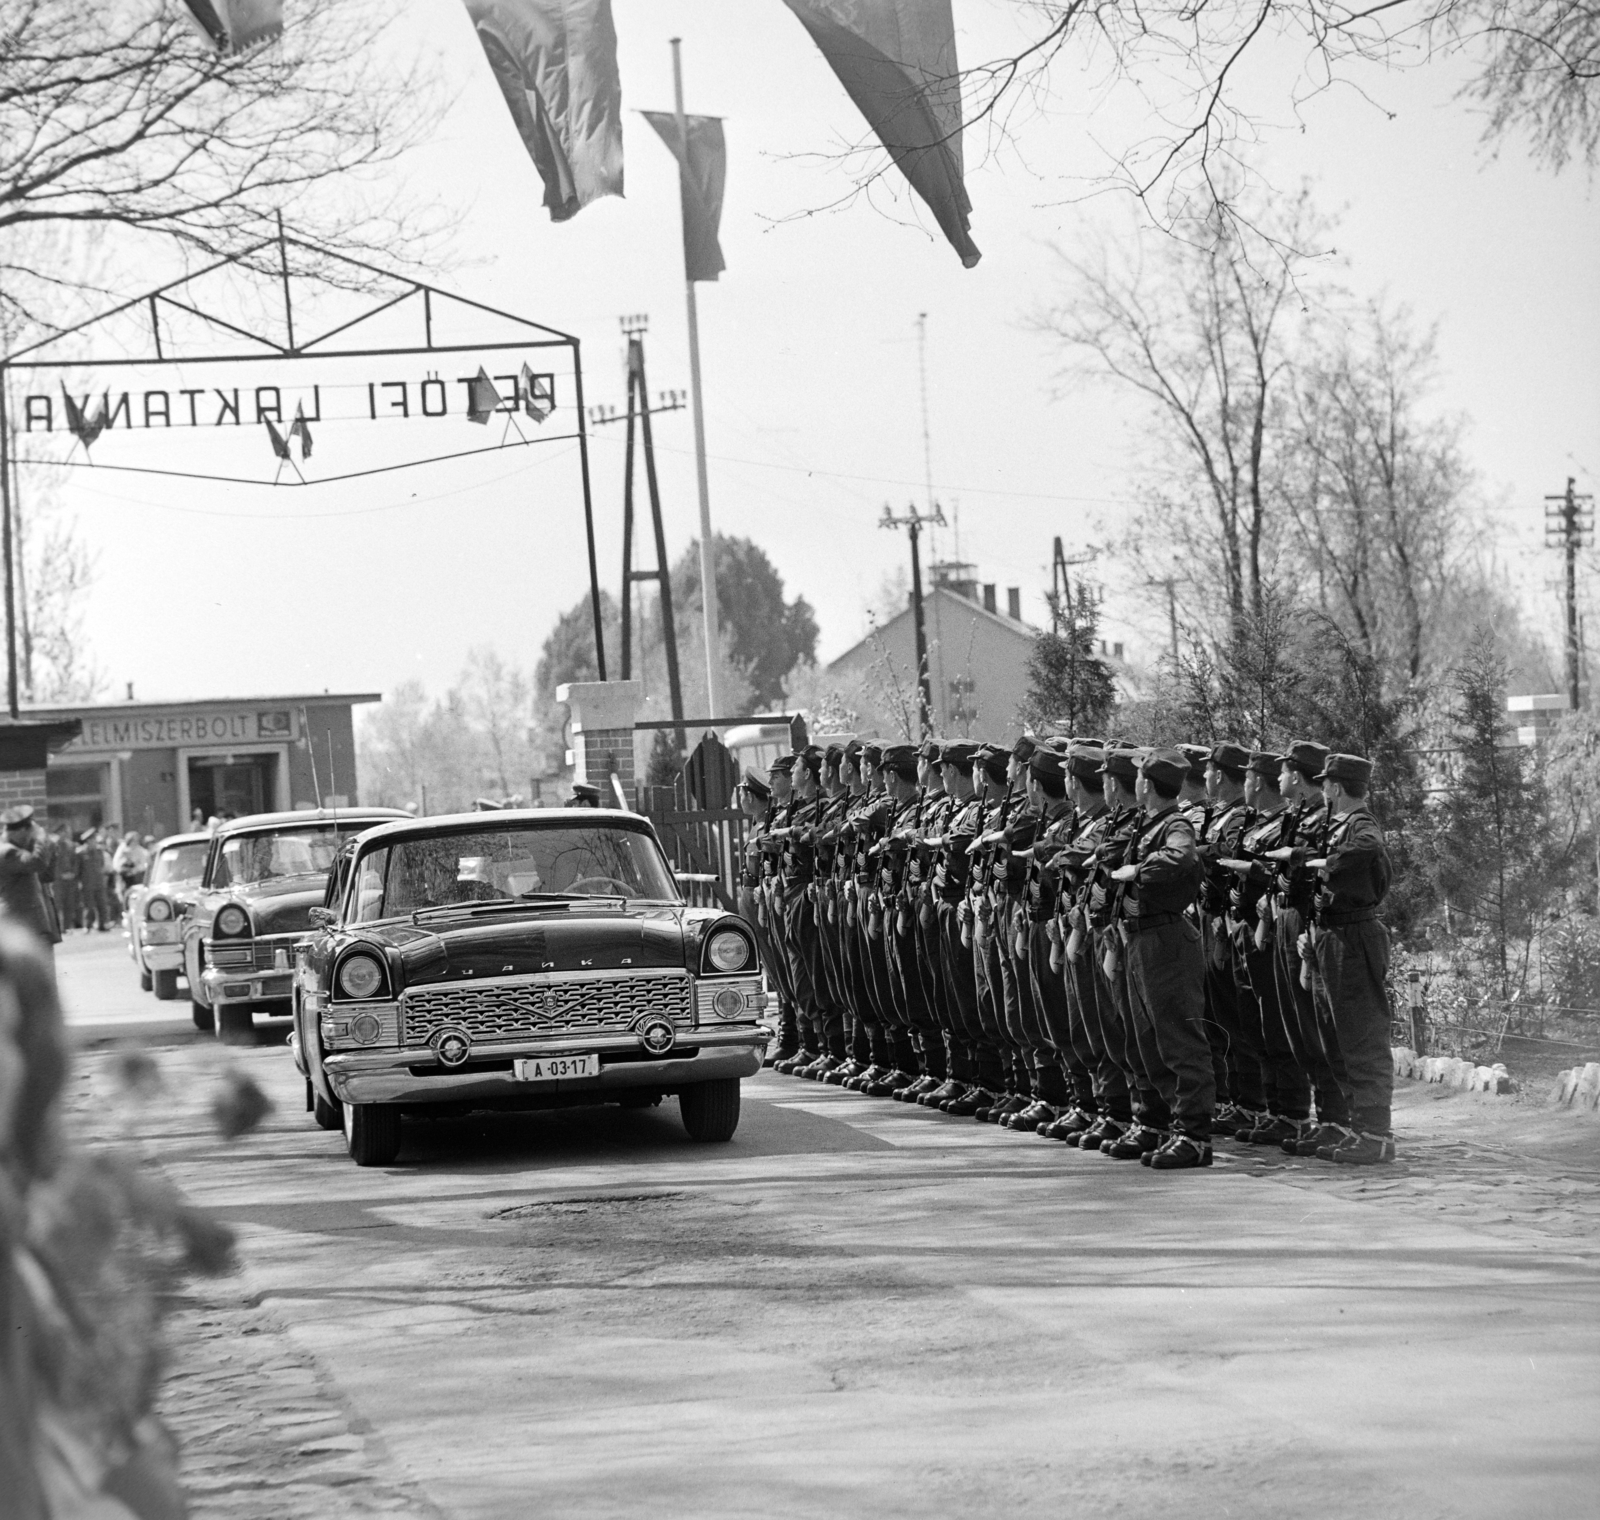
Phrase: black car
pixel 519 960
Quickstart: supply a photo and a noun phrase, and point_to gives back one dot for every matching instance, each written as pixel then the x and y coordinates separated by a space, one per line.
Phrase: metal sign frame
pixel 34 357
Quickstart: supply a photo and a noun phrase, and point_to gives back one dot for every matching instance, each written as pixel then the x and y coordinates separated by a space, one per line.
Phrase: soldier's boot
pixel 968 1104
pixel 1136 1142
pixel 819 1068
pixel 1319 1138
pixel 1274 1129
pixel 1225 1120
pixel 886 1084
pixel 791 1064
pixel 1103 1130
pixel 1009 1107
pixel 945 1092
pixel 1070 1126
pixel 914 1092
pixel 1364 1148
pixel 1180 1153
pixel 1030 1118
pixel 863 1076
pixel 1246 1121
pixel 837 1073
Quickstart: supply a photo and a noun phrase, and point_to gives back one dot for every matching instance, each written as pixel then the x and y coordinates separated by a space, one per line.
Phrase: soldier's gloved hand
pixel 1125 873
pixel 1303 946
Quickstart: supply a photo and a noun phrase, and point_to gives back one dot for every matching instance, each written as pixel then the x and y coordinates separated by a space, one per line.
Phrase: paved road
pixel 859 1309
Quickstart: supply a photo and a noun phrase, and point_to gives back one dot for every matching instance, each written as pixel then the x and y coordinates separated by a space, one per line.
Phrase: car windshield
pixel 489 865
pixel 305 850
pixel 179 862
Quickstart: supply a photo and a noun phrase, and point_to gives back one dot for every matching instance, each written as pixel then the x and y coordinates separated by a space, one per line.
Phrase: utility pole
pixel 638 418
pixel 1170 582
pixel 1568 518
pixel 1061 584
pixel 913 522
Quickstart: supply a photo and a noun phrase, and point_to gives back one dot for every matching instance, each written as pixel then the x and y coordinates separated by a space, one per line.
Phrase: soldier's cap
pixel 929 750
pixel 1197 756
pixel 811 758
pixel 872 752
pixel 833 756
pixel 1121 761
pixel 1088 739
pixel 1307 758
pixel 1266 762
pixel 853 747
pixel 995 761
pixel 1046 762
pixel 1355 768
pixel 961 752
pixel 783 765
pixel 901 759
pixel 1168 766
pixel 1084 760
pixel 1023 749
pixel 1230 757
pixel 756 787
pixel 15 818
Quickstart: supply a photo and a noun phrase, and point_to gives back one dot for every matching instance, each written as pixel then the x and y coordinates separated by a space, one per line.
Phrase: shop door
pixel 232 786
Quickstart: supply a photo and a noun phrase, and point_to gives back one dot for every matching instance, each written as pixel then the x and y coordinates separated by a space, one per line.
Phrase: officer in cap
pixel 25 864
pixel 1352 952
pixel 583 795
pixel 793 1051
pixel 1165 965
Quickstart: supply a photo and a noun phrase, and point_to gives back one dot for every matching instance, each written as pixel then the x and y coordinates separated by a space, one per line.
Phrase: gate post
pixel 603 714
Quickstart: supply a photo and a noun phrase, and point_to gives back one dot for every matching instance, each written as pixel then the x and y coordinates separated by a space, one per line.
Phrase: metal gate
pixel 701 829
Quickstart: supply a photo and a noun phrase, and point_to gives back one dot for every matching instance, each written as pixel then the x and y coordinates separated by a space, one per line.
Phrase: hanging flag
pixel 234 25
pixel 897 60
pixel 280 444
pixel 700 180
pixel 556 64
pixel 538 394
pixel 301 429
pixel 82 428
pixel 482 397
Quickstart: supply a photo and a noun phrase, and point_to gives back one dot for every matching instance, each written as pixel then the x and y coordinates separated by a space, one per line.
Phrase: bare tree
pixel 498 698
pixel 133 120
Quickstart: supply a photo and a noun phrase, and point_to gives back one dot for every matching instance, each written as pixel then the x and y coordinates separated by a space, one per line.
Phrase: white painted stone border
pixel 1451 1072
pixel 1578 1087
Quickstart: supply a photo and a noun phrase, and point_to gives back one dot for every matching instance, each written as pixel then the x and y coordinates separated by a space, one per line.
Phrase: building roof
pixel 1024 632
pixel 308 699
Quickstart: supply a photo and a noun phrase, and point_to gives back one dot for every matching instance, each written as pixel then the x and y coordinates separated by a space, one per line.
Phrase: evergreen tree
pixel 1069 686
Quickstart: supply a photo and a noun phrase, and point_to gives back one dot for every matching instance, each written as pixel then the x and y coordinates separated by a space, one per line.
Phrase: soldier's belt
pixel 1330 920
pixel 1149 921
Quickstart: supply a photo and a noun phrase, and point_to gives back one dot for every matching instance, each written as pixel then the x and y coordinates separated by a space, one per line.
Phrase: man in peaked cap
pixel 1316 1044
pixel 1165 964
pixel 26 864
pixel 1352 952
pixel 813 996
pixel 792 1035
pixel 1194 793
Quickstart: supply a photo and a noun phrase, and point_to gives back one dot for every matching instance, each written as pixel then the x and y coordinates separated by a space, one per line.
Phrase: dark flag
pixel 897 60
pixel 280 444
pixel 301 429
pixel 234 25
pixel 701 181
pixel 556 64
pixel 84 430
pixel 482 397
pixel 538 394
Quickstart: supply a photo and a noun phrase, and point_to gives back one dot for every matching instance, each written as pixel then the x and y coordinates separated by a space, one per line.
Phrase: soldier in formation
pixel 1132 951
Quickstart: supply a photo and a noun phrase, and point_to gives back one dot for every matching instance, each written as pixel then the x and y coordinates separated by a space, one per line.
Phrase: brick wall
pixel 601 751
pixel 17 787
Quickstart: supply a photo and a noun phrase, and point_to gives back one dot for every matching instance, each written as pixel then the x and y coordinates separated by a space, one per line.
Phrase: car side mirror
pixel 324 918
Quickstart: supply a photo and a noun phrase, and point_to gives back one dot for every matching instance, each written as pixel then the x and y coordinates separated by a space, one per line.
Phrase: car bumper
pixel 414 1077
pixel 161 957
pixel 247 987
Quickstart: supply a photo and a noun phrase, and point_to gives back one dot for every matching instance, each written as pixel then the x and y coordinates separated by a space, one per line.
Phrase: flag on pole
pixel 301 429
pixel 482 397
pixel 234 25
pixel 82 428
pixel 538 393
pixel 556 64
pixel 280 444
pixel 701 180
pixel 897 60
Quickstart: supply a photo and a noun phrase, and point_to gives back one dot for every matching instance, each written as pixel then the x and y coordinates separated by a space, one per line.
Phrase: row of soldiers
pixel 1129 950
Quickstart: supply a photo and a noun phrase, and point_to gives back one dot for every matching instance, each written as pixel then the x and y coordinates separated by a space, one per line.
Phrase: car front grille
pixel 537 1009
pixel 254 955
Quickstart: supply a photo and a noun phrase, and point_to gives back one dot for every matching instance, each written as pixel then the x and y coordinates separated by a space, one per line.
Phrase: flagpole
pixel 708 579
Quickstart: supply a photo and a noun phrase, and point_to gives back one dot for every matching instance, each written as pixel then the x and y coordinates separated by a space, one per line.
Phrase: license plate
pixel 555 1068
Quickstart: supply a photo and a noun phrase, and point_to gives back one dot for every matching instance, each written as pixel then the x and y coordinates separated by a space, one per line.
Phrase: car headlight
pixel 360 976
pixel 158 910
pixel 728 951
pixel 232 920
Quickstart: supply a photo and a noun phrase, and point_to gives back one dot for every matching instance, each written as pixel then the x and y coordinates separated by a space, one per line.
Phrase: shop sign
pixel 179 730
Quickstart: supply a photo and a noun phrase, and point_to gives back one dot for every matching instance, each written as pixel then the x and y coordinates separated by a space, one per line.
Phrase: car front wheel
pixel 203 1017
pixel 234 1024
pixel 144 981
pixel 328 1115
pixel 372 1133
pixel 710 1110
pixel 165 985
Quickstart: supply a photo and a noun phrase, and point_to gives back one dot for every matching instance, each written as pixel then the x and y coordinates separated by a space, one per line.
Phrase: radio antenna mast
pixel 927 442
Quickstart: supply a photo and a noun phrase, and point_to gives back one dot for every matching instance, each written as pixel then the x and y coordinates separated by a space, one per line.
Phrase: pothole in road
pixel 601 1203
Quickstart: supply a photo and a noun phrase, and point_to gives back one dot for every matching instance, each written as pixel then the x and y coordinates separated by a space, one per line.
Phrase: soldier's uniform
pixel 752 908
pixel 820 1018
pixel 770 899
pixel 984 918
pixel 1166 967
pixel 1316 1043
pixel 1286 1094
pixel 1352 952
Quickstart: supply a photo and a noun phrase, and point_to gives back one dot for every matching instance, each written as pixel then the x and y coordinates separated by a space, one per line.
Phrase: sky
pixel 810 357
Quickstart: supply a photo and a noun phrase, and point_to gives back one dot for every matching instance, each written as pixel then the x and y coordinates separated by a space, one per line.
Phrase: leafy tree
pixel 1069 686
pixel 767 636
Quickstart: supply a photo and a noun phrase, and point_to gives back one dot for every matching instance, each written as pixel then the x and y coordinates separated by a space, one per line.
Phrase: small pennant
pixel 280 444
pixel 538 394
pixel 482 398
pixel 301 429
pixel 82 428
